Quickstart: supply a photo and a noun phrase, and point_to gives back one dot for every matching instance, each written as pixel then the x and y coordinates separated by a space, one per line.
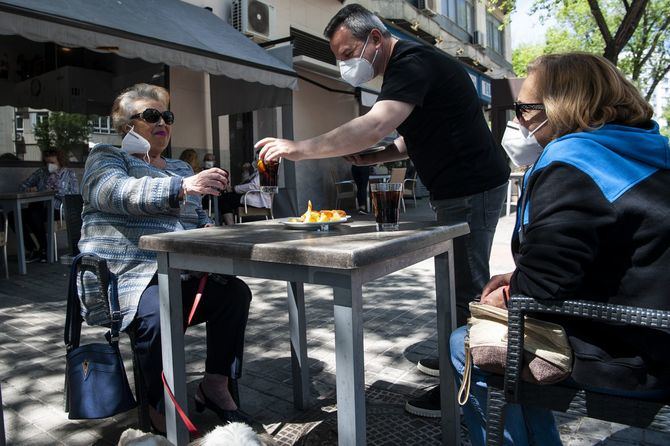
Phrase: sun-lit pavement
pixel 399 315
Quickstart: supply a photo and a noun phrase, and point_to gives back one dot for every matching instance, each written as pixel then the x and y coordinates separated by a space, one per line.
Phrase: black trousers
pixel 224 307
pixel 361 175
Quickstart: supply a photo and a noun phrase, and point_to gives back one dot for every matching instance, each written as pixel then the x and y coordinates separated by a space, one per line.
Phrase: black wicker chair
pixel 510 388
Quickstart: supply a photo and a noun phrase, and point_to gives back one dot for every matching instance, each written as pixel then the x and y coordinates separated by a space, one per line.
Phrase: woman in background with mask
pixel 209 160
pixel 136 191
pixel 53 176
pixel 592 224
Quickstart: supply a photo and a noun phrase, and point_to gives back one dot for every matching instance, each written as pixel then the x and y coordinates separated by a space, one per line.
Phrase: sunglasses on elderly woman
pixel 522 107
pixel 152 116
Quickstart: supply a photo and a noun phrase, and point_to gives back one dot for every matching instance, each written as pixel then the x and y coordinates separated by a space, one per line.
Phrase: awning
pixel 171 32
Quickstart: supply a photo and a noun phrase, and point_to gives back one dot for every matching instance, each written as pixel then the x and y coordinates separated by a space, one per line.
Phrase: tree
pixel 665 126
pixel 62 131
pixel 634 34
pixel 523 55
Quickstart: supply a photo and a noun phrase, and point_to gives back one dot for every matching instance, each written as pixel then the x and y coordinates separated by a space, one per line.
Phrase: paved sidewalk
pixel 399 320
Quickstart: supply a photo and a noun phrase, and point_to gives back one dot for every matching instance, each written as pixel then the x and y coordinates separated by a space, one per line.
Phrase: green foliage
pixel 523 55
pixel 665 129
pixel 62 131
pixel 645 58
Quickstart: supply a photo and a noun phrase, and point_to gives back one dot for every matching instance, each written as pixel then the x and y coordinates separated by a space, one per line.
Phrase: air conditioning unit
pixel 428 7
pixel 253 18
pixel 478 39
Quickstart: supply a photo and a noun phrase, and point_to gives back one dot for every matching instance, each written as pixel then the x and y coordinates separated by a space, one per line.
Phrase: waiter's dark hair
pixel 356 19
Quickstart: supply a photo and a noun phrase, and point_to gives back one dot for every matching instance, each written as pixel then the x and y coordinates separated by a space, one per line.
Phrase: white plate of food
pixel 291 223
pixel 316 219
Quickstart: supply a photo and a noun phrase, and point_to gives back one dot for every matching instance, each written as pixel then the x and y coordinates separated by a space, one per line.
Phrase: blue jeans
pixel 523 426
pixel 471 252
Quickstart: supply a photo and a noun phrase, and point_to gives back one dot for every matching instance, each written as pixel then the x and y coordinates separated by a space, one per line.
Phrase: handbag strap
pixel 182 414
pixel 464 390
pixel 98 266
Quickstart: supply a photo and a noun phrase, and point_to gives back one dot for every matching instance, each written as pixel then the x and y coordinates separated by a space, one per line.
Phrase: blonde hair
pixel 191 157
pixel 583 91
pixel 122 108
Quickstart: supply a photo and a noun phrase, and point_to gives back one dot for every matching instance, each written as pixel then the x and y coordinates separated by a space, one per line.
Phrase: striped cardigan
pixel 124 199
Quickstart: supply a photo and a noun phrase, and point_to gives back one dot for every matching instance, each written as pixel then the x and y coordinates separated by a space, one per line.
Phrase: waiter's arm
pixel 351 137
pixel 393 152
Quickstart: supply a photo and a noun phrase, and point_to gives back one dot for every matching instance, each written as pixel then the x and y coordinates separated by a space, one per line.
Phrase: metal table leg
pixel 298 334
pixel 172 345
pixel 350 379
pixel 50 232
pixel 20 248
pixel 446 323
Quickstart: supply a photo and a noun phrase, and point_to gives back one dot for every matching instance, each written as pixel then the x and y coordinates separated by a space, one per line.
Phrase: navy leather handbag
pixel 96 385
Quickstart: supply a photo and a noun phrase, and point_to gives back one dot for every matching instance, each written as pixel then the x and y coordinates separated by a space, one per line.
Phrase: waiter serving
pixel 429 99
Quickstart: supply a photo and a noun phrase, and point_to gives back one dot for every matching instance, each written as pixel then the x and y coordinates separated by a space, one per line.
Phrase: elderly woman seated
pixel 135 191
pixel 593 225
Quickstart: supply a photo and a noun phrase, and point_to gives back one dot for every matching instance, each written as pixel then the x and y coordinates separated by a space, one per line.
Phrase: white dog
pixel 233 434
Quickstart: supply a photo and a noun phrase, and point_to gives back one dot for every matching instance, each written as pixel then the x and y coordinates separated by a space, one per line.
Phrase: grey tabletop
pixel 346 246
pixel 22 195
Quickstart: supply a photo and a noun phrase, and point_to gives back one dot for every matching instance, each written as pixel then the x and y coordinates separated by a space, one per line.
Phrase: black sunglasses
pixel 521 107
pixel 152 116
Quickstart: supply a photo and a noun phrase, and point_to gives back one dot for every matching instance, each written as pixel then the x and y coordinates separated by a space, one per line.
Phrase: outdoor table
pixel 13 201
pixel 343 258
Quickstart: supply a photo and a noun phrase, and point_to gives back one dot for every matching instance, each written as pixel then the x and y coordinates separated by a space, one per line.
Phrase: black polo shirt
pixel 446 134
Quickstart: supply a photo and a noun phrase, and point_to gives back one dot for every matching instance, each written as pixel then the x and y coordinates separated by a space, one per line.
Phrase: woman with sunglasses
pixel 592 225
pixel 135 191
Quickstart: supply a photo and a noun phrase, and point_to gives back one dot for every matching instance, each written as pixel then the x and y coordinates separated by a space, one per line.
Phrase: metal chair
pixel 344 190
pixel 3 242
pixel 408 190
pixel 510 389
pixel 398 175
pixel 249 211
pixel 73 205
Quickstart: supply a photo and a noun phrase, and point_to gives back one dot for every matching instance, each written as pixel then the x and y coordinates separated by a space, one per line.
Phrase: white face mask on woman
pixel 357 71
pixel 209 164
pixel 520 144
pixel 52 167
pixel 134 143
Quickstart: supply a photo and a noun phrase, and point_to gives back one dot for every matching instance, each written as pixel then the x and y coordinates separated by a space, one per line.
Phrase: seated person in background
pixel 53 176
pixel 361 175
pixel 209 161
pixel 190 157
pixel 135 191
pixel 230 201
pixel 593 226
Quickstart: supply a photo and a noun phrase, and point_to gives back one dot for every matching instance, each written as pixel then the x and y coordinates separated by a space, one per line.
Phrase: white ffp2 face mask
pixel 209 164
pixel 51 167
pixel 358 70
pixel 134 143
pixel 520 144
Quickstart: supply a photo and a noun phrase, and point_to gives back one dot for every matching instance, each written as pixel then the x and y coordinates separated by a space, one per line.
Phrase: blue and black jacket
pixel 594 224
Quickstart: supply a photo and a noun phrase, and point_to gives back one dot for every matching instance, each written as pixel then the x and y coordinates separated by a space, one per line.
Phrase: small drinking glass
pixel 386 204
pixel 268 172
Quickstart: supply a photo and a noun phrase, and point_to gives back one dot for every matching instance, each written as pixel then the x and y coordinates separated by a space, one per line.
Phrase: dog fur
pixel 233 434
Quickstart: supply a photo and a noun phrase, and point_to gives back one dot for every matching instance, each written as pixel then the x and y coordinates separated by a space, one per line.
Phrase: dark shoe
pixel 429 366
pixel 43 257
pixel 362 212
pixel 427 405
pixel 226 416
pixel 33 256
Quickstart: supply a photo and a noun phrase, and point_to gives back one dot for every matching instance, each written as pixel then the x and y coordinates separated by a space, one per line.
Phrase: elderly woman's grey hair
pixel 123 107
pixel 356 19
